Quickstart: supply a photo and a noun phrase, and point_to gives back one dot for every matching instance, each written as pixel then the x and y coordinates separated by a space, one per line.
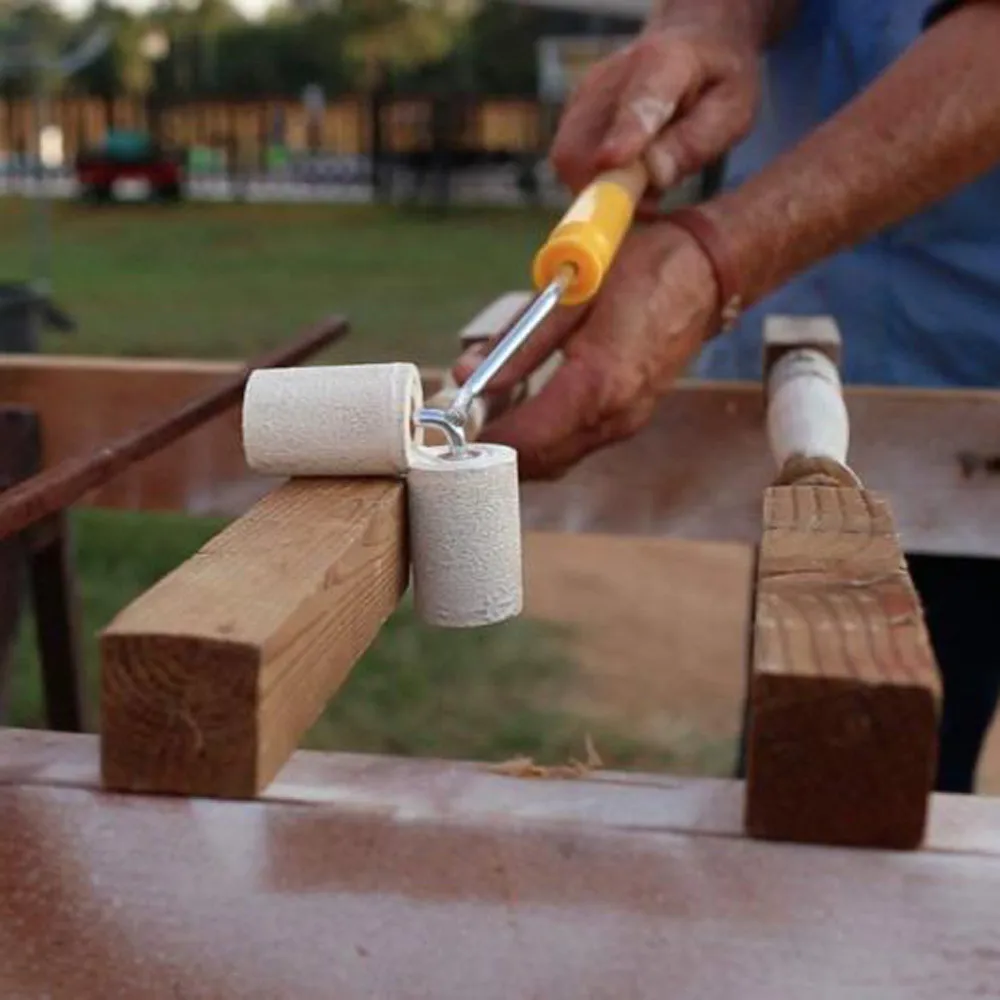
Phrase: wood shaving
pixel 525 767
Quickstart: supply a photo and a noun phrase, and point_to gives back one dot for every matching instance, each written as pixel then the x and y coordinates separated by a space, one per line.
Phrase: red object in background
pixel 99 170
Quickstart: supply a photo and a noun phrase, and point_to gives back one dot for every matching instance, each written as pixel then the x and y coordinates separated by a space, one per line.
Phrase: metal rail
pixel 61 486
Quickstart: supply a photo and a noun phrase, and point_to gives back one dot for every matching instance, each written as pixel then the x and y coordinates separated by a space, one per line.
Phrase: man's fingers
pixel 469 361
pixel 712 126
pixel 659 81
pixel 548 338
pixel 563 423
pixel 541 427
pixel 585 123
pixel 629 103
pixel 664 170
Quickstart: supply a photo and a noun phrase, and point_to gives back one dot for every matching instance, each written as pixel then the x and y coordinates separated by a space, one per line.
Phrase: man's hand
pixel 681 95
pixel 622 352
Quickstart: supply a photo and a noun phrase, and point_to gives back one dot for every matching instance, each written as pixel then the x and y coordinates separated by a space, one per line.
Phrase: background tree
pixel 469 46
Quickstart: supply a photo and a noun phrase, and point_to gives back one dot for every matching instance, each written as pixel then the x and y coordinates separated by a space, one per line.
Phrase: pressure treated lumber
pixel 210 679
pixel 116 395
pixel 204 472
pixel 935 452
pixel 361 877
pixel 699 468
pixel 844 695
pixel 64 484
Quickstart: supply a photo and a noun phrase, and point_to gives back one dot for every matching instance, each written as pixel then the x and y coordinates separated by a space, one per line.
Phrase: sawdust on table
pixel 525 767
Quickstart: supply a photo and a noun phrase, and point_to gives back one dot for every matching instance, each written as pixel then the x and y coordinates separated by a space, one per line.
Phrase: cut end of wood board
pixel 178 714
pixel 844 698
pixel 210 678
pixel 840 763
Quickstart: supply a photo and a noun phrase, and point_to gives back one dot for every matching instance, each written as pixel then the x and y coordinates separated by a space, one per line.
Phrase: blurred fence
pixel 382 146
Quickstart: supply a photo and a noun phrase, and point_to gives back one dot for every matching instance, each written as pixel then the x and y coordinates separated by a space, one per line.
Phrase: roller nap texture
pixel 348 420
pixel 465 537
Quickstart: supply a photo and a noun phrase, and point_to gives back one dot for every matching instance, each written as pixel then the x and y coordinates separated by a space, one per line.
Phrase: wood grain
pixel 844 696
pixel 365 878
pixel 697 471
pixel 699 468
pixel 657 629
pixel 85 402
pixel 212 676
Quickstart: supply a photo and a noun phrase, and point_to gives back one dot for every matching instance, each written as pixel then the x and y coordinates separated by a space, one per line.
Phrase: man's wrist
pixel 712 240
pixel 733 217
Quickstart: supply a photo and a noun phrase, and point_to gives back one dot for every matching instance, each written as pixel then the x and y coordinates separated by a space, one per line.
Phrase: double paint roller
pixel 360 420
pixel 369 420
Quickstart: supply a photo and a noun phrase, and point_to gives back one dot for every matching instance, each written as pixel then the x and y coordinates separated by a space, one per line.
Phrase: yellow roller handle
pixel 590 234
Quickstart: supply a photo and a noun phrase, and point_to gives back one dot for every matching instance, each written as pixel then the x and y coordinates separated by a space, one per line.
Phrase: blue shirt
pixel 920 303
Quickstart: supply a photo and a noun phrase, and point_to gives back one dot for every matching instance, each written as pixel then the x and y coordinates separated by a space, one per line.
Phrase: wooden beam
pixel 64 485
pixel 495 318
pixel 699 468
pixel 355 874
pixel 20 450
pixel 210 679
pixel 85 402
pixel 204 472
pixel 844 695
pixel 934 452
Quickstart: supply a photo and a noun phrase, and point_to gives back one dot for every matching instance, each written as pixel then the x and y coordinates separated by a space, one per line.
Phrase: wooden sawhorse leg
pixel 42 556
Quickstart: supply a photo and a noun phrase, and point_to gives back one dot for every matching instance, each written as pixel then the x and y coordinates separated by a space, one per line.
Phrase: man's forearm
pixel 928 126
pixel 760 20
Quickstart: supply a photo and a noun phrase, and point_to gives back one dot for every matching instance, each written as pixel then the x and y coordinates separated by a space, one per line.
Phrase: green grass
pixel 228 280
pixel 224 281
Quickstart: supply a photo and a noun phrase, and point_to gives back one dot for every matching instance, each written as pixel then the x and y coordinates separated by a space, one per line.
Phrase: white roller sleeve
pixel 350 420
pixel 465 531
pixel 806 412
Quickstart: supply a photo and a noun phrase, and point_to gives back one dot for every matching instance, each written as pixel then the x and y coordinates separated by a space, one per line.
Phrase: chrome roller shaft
pixel 451 422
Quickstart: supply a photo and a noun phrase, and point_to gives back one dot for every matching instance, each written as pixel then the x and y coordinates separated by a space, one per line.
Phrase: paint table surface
pixel 360 877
